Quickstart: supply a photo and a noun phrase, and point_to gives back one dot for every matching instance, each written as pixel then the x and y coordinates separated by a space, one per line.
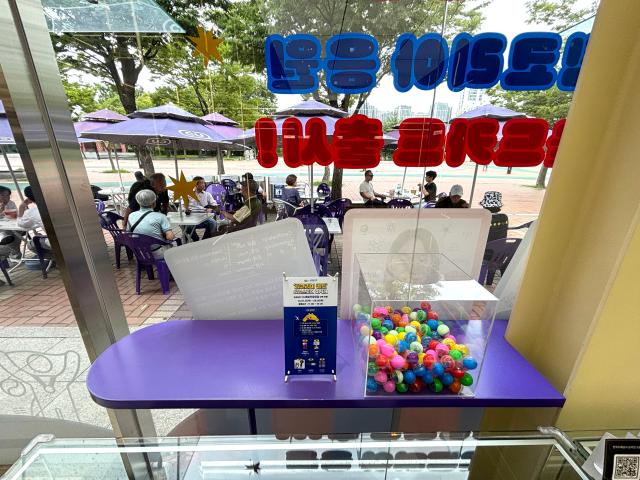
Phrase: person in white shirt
pixel 205 203
pixel 9 240
pixel 368 194
pixel 29 217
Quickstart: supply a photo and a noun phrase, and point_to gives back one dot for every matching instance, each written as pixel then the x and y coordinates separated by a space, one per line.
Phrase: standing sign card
pixel 310 323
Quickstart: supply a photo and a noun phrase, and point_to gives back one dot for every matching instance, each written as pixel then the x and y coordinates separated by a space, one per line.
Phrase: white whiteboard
pixel 458 233
pixel 238 276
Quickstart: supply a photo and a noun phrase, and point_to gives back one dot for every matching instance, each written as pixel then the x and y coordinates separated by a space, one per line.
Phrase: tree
pixel 118 59
pixel 552 104
pixel 227 88
pixel 386 20
pixel 390 122
pixel 82 98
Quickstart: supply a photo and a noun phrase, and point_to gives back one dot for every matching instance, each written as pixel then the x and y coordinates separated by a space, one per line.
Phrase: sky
pixel 504 16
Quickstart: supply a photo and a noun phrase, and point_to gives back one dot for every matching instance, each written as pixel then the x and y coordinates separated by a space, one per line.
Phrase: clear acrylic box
pixel 421 325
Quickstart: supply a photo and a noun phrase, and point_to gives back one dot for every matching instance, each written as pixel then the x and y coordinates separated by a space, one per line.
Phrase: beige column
pixel 577 317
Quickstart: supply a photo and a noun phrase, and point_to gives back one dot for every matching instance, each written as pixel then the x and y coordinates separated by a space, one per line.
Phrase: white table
pixel 118 196
pixel 183 220
pixel 12 224
pixel 333 225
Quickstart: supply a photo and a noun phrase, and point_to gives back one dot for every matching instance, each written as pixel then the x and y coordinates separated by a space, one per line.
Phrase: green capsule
pixel 436 386
pixel 466 380
pixel 456 354
pixel 402 388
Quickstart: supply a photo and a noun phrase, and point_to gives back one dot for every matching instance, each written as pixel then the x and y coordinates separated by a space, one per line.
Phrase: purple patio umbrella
pixel 226 128
pixel 492 111
pixel 6 138
pixel 501 114
pixel 166 125
pixel 94 121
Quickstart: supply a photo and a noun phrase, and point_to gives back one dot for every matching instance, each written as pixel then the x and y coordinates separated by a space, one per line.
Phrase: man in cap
pixel 454 200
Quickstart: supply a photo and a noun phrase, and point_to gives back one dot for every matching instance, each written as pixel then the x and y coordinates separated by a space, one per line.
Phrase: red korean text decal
pixel 266 142
pixel 421 143
pixel 522 143
pixel 357 142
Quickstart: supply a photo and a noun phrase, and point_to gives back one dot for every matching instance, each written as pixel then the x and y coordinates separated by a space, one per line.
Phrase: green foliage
pixel 390 122
pixel 226 88
pixel 558 14
pixel 552 104
pixel 244 30
pixel 82 98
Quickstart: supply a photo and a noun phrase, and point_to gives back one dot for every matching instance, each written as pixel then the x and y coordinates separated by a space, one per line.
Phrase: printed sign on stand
pixel 310 324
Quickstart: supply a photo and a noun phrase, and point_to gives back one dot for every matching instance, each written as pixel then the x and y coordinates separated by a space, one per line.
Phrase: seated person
pixel 8 207
pixel 247 215
pixel 158 184
pixel 290 194
pixel 29 218
pixel 9 240
pixel 148 222
pixel 430 189
pixel 205 203
pixel 368 194
pixel 454 200
pixel 492 201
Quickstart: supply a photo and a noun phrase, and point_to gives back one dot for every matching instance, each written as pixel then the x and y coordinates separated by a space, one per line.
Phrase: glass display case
pixel 421 325
pixel 369 456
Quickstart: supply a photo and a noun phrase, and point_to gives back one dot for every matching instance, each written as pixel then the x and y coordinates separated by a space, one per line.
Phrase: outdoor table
pixel 12 225
pixel 203 364
pixel 333 225
pixel 118 196
pixel 183 220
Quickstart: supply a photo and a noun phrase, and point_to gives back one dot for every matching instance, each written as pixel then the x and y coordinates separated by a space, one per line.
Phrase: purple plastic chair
pixel 45 256
pixel 498 254
pixel 318 238
pixel 99 206
pixel 142 247
pixel 429 205
pixel 219 194
pixel 399 203
pixel 339 208
pixel 318 209
pixel 109 222
pixel 4 268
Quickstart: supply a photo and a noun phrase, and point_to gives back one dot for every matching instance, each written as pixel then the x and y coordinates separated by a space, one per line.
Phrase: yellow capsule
pixel 401 335
pixel 406 310
pixel 415 324
pixel 449 342
pixel 420 358
pixel 391 339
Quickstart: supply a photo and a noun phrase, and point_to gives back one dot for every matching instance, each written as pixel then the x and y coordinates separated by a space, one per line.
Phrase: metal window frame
pixel 33 95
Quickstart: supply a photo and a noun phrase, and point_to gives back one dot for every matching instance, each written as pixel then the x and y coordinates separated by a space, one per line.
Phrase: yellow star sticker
pixel 206 45
pixel 183 189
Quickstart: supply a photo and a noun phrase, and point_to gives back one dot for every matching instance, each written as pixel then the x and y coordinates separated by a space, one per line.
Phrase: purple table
pixel 196 364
